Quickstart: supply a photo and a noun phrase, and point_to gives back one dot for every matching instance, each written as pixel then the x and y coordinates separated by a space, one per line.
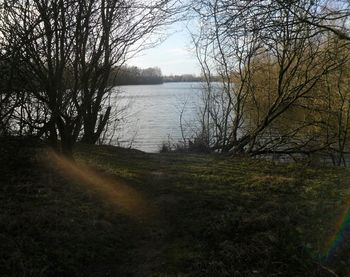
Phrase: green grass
pixel 210 216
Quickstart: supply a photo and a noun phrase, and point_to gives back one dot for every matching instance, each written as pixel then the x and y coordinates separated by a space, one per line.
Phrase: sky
pixel 173 56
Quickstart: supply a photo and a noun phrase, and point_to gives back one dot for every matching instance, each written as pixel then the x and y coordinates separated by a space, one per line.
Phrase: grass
pixel 120 212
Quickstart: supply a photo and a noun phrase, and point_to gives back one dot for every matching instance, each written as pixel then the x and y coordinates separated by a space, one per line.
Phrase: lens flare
pixel 342 231
pixel 121 195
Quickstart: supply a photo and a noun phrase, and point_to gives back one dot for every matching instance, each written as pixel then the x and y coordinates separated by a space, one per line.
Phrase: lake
pixel 150 114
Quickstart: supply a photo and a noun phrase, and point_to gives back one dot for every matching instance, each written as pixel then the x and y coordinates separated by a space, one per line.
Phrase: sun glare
pixel 125 198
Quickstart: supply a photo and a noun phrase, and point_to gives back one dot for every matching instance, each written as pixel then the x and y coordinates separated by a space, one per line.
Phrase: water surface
pixel 153 114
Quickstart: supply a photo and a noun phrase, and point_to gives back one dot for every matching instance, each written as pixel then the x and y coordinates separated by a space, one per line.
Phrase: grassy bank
pixel 119 212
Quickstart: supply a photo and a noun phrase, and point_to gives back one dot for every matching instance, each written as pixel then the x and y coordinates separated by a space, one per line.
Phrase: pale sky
pixel 172 56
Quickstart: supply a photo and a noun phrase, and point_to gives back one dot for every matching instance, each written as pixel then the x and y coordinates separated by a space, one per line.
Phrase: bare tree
pixel 332 16
pixel 248 39
pixel 68 48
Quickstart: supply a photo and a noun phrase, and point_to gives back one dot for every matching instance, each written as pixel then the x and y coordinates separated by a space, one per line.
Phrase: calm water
pixel 152 114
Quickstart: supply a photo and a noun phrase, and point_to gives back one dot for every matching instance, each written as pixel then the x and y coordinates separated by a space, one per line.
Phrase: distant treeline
pixel 132 75
pixel 189 78
pixel 182 78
